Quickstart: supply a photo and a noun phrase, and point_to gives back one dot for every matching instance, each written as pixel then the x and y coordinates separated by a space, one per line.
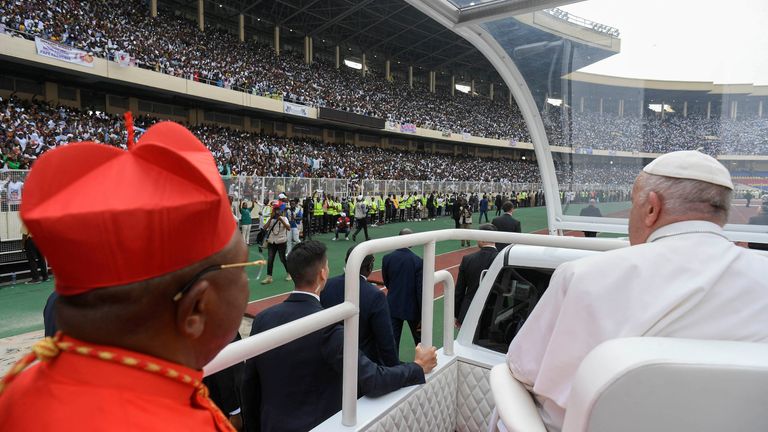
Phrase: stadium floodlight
pixel 554 102
pixel 353 64
pixel 463 88
pixel 657 108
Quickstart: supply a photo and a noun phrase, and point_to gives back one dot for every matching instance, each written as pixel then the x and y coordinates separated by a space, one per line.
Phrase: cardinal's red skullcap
pixel 108 217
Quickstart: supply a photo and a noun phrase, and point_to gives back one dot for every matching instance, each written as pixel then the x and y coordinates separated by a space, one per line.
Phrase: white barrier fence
pixel 349 310
pixel 299 187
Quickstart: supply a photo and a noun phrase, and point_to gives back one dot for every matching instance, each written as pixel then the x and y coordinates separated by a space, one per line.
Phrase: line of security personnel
pixel 326 208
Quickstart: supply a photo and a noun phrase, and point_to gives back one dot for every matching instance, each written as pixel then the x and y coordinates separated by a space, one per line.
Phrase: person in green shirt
pixel 246 220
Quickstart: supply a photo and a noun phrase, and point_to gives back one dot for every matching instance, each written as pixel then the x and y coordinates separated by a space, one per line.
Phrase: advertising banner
pixel 65 53
pixel 295 109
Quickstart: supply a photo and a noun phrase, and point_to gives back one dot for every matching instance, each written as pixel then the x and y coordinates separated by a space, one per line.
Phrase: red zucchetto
pixel 105 217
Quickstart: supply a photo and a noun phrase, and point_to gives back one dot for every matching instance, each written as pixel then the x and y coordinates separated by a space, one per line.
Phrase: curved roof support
pixel 504 65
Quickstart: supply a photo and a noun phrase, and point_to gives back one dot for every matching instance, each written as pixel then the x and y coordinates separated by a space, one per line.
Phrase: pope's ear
pixel 192 308
pixel 654 206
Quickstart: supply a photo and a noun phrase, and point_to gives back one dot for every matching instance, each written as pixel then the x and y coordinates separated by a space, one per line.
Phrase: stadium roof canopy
pixel 383 29
pixel 400 31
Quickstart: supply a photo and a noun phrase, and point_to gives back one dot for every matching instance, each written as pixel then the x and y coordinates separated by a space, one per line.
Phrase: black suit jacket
pixel 470 269
pixel 377 341
pixel 505 223
pixel 297 386
pixel 49 319
pixel 402 274
pixel 590 211
pixel 224 386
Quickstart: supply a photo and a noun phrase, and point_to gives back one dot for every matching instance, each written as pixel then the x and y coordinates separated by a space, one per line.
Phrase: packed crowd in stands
pixel 274 156
pixel 29 128
pixel 174 45
pixel 655 135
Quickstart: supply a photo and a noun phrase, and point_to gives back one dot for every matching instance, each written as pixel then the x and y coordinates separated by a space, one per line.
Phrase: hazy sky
pixel 705 40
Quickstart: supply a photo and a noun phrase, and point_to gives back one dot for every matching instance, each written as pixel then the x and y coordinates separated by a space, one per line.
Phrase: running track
pixel 448 261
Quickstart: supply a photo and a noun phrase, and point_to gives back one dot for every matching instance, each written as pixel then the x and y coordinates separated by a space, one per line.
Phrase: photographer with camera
pixel 276 239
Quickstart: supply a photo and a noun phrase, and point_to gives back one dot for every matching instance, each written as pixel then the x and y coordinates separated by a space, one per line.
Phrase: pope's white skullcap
pixel 692 165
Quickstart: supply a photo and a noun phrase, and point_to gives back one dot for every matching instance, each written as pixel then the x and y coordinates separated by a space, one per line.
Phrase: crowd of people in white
pixel 652 134
pixel 29 128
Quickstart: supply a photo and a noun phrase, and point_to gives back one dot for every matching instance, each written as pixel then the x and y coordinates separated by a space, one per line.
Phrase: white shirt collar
pixel 686 227
pixel 307 293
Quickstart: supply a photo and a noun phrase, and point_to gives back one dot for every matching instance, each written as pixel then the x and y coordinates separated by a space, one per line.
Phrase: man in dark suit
pixel 402 273
pixel 376 339
pixel 506 222
pixel 297 386
pixel 498 204
pixel 49 319
pixel 224 390
pixel 472 266
pixel 592 211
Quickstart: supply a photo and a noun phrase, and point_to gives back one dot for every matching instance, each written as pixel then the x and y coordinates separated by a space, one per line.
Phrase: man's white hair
pixel 688 197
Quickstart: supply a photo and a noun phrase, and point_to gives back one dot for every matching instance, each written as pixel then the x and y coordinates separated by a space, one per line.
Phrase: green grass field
pixel 21 305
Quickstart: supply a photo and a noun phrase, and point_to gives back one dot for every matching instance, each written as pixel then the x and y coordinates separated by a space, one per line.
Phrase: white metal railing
pixel 349 310
pixel 268 187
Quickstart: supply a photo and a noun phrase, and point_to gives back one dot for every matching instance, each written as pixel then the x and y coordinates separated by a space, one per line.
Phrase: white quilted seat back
pixel 667 384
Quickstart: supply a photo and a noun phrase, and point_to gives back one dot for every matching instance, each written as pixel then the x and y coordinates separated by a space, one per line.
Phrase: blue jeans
pixel 344 231
pixel 480 219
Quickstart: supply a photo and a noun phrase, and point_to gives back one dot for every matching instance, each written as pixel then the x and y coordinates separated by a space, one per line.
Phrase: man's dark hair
pixel 366 267
pixel 305 261
pixel 507 206
pixel 488 227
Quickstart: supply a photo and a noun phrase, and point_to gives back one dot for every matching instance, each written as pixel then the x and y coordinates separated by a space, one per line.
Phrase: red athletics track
pixel 448 261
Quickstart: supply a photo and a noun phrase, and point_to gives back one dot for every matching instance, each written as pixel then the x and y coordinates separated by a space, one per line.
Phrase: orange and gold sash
pixel 49 348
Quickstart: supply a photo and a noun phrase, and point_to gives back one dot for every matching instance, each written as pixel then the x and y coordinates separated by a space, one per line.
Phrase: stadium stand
pixel 173 45
pixel 651 134
pixel 29 128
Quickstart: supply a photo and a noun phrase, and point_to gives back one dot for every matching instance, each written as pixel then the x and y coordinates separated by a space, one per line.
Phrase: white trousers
pixel 246 231
pixel 293 239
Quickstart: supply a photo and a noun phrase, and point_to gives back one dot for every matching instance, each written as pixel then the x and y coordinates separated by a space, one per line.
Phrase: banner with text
pixel 408 128
pixel 295 109
pixel 56 51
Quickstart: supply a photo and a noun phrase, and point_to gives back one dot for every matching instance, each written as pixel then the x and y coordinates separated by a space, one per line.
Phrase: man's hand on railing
pixel 426 358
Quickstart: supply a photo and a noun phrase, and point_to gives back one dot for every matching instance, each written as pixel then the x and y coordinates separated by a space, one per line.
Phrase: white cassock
pixel 687 281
